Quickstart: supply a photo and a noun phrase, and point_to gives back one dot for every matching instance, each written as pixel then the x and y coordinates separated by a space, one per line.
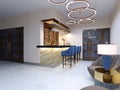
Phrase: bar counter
pixel 51 55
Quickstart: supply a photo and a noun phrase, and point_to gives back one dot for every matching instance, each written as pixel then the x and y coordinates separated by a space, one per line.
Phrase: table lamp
pixel 106 50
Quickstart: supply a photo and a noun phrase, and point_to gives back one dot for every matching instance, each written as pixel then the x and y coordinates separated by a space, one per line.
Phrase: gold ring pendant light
pixel 86 21
pixel 57 2
pixel 78 11
pixel 82 13
pixel 71 22
pixel 76 4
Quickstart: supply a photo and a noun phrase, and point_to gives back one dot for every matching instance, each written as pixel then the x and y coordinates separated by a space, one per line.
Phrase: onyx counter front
pixel 51 55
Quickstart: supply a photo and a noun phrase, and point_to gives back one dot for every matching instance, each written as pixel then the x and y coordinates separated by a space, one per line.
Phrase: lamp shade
pixel 107 49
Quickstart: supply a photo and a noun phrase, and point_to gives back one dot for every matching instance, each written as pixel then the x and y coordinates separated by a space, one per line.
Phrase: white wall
pixel 33 30
pixel 75 37
pixel 115 29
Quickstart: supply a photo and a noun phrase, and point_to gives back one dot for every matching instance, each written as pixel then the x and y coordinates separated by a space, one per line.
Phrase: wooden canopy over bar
pixel 53 23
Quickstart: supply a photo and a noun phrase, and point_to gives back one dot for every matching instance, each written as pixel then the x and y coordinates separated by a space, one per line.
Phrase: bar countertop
pixel 54 46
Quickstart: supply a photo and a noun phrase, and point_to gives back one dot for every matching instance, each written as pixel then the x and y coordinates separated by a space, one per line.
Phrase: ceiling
pixel 10 8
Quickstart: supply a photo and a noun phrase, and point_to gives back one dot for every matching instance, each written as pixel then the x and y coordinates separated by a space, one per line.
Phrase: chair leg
pixel 70 62
pixel 74 58
pixel 79 56
pixel 63 61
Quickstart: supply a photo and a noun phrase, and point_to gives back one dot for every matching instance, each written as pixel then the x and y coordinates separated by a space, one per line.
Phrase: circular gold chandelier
pixel 57 2
pixel 78 11
pixel 82 13
pixel 76 4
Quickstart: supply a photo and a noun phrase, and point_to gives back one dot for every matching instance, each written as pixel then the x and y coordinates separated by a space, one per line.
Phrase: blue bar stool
pixel 68 55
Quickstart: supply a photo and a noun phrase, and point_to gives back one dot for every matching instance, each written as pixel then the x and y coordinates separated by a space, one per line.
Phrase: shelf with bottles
pixel 51 37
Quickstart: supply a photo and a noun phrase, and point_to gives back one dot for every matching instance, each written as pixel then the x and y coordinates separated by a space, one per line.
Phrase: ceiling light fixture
pixel 57 2
pixel 76 4
pixel 71 22
pixel 78 11
pixel 86 21
pixel 82 13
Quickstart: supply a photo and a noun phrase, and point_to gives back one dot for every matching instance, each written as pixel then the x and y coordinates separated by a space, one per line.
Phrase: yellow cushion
pixel 115 76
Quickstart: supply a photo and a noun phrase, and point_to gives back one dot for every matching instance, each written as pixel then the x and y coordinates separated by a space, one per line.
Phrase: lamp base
pixel 106 61
pixel 107 77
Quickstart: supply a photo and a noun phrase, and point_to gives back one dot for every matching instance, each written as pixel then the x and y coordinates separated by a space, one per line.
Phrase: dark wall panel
pixel 91 38
pixel 11 44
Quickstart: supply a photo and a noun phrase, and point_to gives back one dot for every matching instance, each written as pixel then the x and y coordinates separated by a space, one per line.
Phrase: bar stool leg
pixel 79 56
pixel 70 65
pixel 74 58
pixel 63 61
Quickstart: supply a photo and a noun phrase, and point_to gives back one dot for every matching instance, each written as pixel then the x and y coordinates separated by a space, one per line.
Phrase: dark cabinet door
pixel 90 40
pixel 11 44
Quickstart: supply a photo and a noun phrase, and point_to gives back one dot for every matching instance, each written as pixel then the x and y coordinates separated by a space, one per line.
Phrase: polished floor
pixel 15 76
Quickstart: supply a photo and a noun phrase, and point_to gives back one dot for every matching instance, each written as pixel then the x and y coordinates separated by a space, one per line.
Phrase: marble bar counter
pixel 51 55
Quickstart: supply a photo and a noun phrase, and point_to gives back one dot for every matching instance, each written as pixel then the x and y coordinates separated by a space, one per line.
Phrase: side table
pixel 107 79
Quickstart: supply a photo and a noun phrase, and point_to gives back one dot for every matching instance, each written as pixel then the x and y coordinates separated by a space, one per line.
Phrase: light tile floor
pixel 15 76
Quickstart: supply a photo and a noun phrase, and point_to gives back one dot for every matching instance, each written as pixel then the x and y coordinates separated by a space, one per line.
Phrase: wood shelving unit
pixel 51 37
